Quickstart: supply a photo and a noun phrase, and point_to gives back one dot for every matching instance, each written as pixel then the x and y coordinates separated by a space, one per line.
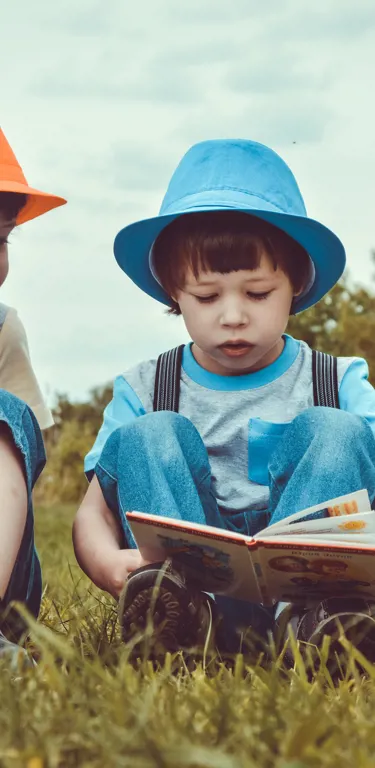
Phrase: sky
pixel 100 101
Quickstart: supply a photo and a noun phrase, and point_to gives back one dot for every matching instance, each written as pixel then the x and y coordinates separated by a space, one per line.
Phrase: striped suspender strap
pixel 168 373
pixel 167 380
pixel 325 381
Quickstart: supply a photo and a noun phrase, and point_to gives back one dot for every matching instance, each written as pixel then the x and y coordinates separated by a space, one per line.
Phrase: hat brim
pixel 37 202
pixel 133 244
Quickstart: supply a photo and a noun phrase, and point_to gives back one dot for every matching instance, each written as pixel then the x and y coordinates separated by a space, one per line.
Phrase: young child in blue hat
pixel 243 426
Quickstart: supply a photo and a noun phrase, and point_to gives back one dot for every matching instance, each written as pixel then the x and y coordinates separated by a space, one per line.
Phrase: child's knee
pixel 161 433
pixel 156 428
pixel 19 425
pixel 334 424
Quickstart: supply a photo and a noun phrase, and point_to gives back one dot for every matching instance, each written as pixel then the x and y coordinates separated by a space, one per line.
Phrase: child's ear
pixel 297 293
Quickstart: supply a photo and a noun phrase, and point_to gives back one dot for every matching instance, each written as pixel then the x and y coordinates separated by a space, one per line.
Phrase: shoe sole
pixel 355 626
pixel 158 609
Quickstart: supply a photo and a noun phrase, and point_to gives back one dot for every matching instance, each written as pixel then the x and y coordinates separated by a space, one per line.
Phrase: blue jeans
pixel 25 584
pixel 159 464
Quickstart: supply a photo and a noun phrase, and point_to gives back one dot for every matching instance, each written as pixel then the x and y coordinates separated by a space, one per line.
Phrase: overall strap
pixel 167 380
pixel 325 381
pixel 168 373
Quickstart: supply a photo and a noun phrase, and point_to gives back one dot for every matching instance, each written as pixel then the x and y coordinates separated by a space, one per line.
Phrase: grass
pixel 85 705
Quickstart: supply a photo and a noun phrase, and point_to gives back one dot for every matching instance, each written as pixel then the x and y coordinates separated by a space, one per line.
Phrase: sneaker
pixel 334 616
pixel 16 656
pixel 180 616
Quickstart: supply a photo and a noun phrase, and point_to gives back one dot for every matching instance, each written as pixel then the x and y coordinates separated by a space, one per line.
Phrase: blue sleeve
pixel 124 407
pixel 356 394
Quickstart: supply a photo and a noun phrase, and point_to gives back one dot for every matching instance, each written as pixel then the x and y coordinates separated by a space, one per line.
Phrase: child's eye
pixel 206 299
pixel 258 296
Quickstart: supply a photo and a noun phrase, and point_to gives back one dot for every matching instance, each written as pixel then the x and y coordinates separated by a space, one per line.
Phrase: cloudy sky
pixel 100 100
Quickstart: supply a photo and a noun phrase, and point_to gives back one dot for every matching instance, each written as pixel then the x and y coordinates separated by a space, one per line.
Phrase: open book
pixel 324 550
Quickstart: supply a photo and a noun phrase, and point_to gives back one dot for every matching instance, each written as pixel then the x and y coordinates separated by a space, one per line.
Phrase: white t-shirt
pixel 16 371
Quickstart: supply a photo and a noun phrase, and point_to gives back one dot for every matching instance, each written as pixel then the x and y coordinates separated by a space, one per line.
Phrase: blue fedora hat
pixel 239 175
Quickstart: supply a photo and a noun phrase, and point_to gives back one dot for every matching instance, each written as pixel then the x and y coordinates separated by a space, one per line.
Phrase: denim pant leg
pixel 25 584
pixel 158 464
pixel 325 453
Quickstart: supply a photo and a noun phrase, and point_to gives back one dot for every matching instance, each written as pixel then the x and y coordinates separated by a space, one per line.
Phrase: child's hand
pixel 97 539
pixel 124 561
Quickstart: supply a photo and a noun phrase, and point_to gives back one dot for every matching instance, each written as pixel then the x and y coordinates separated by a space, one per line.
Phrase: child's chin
pixel 239 366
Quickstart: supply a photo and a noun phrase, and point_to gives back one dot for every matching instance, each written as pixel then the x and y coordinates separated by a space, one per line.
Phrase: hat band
pixel 11 173
pixel 231 198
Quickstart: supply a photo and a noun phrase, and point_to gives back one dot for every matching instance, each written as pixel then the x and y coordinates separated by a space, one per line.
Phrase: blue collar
pixel 244 381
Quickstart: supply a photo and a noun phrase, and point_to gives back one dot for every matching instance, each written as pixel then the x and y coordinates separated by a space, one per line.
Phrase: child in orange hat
pixel 23 414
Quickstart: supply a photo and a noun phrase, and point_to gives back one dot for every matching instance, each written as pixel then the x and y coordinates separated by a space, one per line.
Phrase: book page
pixel 354 526
pixel 349 504
pixel 367 539
pixel 216 560
pixel 297 571
pixel 264 597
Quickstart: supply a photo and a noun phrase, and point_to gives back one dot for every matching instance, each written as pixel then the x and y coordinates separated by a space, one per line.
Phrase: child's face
pixel 6 227
pixel 236 320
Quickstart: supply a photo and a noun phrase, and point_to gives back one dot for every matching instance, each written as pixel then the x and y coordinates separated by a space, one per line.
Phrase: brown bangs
pixel 223 241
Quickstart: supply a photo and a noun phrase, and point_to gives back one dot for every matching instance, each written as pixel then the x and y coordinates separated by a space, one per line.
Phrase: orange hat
pixel 13 180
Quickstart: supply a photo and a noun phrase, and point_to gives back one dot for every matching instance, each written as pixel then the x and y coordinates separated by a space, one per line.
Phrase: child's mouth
pixel 237 349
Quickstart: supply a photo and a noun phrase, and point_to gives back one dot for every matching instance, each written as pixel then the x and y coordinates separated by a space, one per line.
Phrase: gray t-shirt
pixel 241 419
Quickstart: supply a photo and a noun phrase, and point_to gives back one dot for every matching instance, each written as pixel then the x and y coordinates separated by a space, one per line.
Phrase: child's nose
pixel 233 315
